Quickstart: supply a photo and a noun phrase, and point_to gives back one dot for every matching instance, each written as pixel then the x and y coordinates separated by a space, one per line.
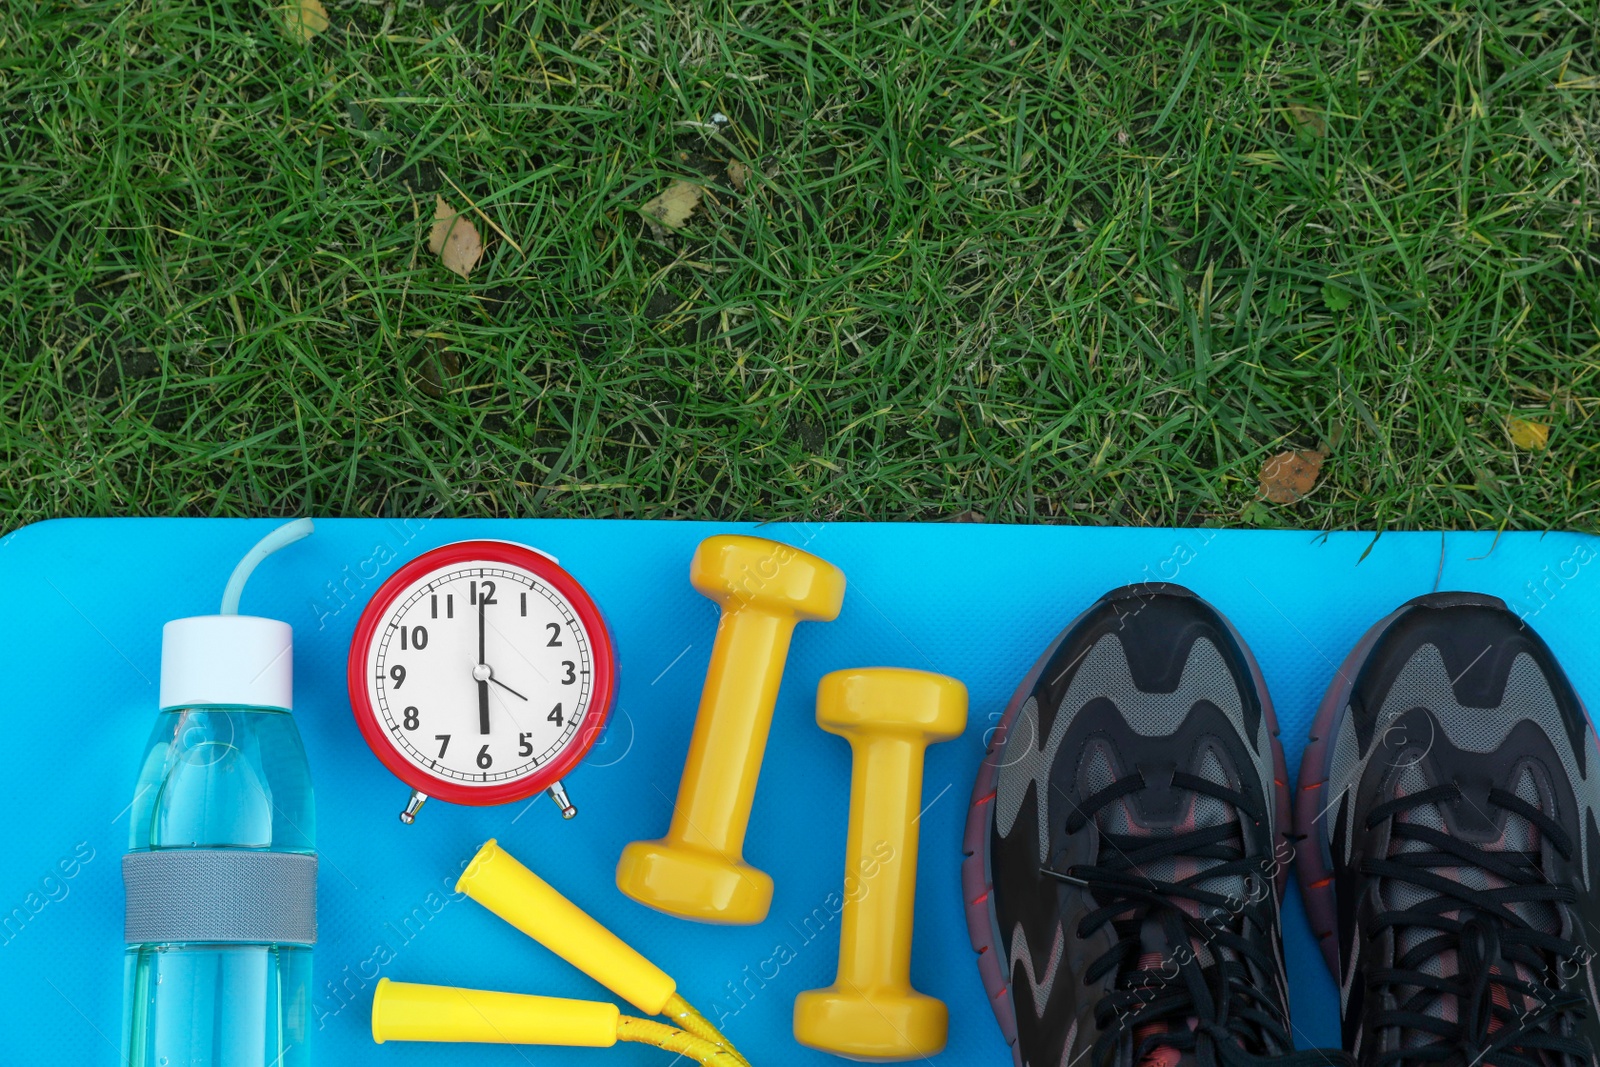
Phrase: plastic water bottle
pixel 221 872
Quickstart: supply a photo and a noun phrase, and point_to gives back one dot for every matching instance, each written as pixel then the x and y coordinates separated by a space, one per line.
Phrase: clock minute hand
pixel 483 683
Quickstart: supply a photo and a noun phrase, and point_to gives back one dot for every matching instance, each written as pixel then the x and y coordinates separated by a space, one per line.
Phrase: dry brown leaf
pixel 305 19
pixel 438 365
pixel 738 175
pixel 1533 436
pixel 672 208
pixel 454 239
pixel 1309 120
pixel 1289 476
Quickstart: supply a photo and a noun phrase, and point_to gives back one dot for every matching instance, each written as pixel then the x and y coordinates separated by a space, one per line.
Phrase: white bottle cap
pixel 227 659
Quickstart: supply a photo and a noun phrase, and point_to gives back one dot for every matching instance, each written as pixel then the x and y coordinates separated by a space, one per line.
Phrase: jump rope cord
pixel 647 1032
pixel 682 1013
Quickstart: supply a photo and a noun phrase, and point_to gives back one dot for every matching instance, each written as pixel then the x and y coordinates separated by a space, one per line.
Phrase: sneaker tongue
pixel 1197 812
pixel 1160 1055
pixel 1157 958
pixel 1518 835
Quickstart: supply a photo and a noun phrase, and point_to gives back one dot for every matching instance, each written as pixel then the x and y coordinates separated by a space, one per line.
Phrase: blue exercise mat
pixel 84 602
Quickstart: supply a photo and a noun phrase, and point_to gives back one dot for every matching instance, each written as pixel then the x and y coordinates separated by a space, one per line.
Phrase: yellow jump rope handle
pixel 403 1011
pixel 497 881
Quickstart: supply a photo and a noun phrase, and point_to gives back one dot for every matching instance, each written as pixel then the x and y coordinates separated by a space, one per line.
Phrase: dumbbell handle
pixel 890 715
pixel 881 861
pixel 730 731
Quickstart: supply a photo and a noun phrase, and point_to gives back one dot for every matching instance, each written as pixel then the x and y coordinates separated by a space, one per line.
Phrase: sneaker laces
pixel 1506 1004
pixel 1202 997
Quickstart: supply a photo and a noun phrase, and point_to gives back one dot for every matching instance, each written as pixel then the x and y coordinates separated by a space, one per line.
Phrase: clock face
pixel 481 672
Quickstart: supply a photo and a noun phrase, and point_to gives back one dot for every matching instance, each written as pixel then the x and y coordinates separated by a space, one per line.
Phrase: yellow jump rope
pixel 405 1011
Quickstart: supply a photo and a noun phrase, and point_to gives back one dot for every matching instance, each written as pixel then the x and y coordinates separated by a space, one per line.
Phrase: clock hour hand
pixel 483 674
pixel 506 687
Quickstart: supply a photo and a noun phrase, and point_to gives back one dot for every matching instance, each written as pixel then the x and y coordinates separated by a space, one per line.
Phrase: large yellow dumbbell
pixel 890 716
pixel 698 871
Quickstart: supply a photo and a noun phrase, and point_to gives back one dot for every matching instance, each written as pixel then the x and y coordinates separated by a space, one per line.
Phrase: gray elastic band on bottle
pixel 223 895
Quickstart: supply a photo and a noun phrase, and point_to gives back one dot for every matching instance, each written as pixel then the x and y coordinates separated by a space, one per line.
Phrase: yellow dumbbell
pixel 889 716
pixel 698 871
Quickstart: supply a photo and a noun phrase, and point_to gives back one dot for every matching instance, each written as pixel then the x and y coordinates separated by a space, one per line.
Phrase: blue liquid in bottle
pixel 221 867
pixel 221 778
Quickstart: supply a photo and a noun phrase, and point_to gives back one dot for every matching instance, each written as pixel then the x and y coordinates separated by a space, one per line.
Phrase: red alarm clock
pixel 480 673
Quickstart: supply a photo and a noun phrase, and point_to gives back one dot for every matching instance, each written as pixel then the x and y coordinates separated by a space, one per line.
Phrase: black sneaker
pixel 1448 799
pixel 1126 847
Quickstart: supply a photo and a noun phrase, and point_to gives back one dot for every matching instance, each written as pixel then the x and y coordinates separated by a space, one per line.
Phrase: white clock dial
pixel 480 673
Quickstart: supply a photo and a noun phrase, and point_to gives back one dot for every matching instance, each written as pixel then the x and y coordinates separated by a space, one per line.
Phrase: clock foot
pixel 558 793
pixel 409 816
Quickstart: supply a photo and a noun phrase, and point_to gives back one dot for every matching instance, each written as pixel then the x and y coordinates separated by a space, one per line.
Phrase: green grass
pixel 1093 265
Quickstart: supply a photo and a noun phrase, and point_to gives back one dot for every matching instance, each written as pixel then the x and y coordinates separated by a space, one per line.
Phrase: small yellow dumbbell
pixel 698 871
pixel 890 716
